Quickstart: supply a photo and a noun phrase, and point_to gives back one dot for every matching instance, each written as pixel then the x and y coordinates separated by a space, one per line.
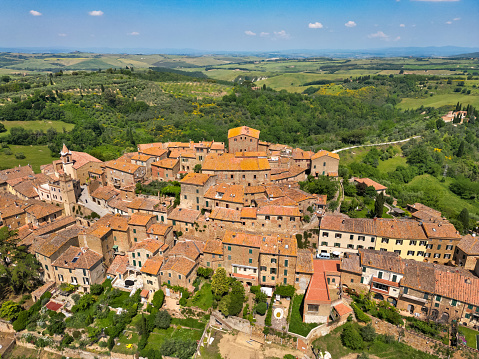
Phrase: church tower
pixel 66 155
pixel 67 189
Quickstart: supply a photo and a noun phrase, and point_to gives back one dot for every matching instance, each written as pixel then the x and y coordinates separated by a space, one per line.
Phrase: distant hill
pixel 468 56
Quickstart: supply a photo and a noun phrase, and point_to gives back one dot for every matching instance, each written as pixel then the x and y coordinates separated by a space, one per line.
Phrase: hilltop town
pixel 162 226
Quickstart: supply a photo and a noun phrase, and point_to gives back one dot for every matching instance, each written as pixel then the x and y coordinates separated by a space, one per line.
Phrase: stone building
pixel 165 170
pixel 442 241
pixel 467 252
pixel 194 186
pixel 243 139
pixel 122 173
pixel 325 163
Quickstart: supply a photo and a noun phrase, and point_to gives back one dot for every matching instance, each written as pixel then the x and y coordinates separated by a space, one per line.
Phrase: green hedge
pixel 360 315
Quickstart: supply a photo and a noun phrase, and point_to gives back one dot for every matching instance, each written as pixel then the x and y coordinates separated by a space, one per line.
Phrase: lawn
pixel 447 202
pixel 212 351
pixel 38 125
pixel 438 101
pixel 158 336
pixel 125 339
pixel 203 298
pixel 118 301
pixel 296 324
pixel 34 155
pixel 470 335
pixel 391 164
pixel 189 322
pixel 395 350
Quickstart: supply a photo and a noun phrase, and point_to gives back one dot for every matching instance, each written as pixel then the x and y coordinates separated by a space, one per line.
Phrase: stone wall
pixel 230 323
pixel 6 326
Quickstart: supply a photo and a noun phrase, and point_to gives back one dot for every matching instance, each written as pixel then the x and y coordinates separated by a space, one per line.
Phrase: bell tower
pixel 67 189
pixel 66 155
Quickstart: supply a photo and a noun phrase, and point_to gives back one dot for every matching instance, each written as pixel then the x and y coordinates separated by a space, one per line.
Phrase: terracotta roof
pixel 65 150
pixel 441 230
pixel 168 163
pixel 54 226
pixel 107 223
pixel 213 246
pixel 251 154
pixel 469 244
pixel 456 285
pixel 118 266
pixel 278 211
pixel 40 209
pixel 217 146
pixel 343 309
pixel 159 229
pixel 244 130
pixel 341 223
pixel 299 154
pixel 421 207
pixel 154 151
pixel 198 179
pixel 149 244
pixel 11 205
pixel 140 219
pixel 144 146
pixel 97 171
pixel 122 166
pixel 184 215
pixel 226 192
pixel 318 290
pixel 274 191
pixel 54 305
pixel 321 199
pixel 140 157
pixel 388 261
pixel 399 229
pixel 75 257
pixel 419 275
pixel 118 204
pixel 16 172
pixel 225 214
pixel 304 263
pixel 322 153
pixel 227 162
pixel 351 263
pixel 254 189
pixel 188 249
pixel 369 182
pixel 152 265
pixel 242 239
pixel 179 265
pixel 49 244
pixel 385 281
pixel 147 204
pixel 293 172
pixel 177 153
pixel 105 193
pixel 43 289
pixel 82 158
pixel 248 212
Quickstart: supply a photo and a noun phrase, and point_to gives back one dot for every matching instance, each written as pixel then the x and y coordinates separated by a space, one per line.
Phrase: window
pixel 337 245
pixel 229 248
pixel 325 234
pixel 135 239
pixel 410 253
pixel 351 236
pixel 84 272
pixel 420 253
pixel 134 263
pixel 469 306
pixel 468 315
pixel 361 238
pixel 352 280
pixel 412 243
pixel 267 218
pixel 426 296
pixel 229 258
pixel 449 247
pixel 114 237
pixel 422 243
pixel 437 255
pixel 324 243
pixel 350 246
pixel 372 239
pixel 385 240
pixel 395 278
pixel 397 251
pixel 427 255
pixel 139 264
pixel 273 260
pixel 264 278
pixel 439 247
pixel 207 264
pixel 250 261
pixel 179 276
pixel 406 290
pixel 453 302
pixel 133 255
pixel 364 269
pixel 447 256
pixel 138 254
pixel 250 251
pixel 399 242
pixel 272 277
pixel 286 262
pixel 285 272
pixel 438 298
pixel 272 271
pixel 338 235
pixel 60 277
pixel 134 229
pixel 360 247
pixel 285 281
pixel 436 305
pixel 380 275
pixel 429 246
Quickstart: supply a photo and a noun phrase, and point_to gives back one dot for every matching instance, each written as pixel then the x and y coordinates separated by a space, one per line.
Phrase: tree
pixel 261 308
pixel 463 217
pixel 197 168
pixel 158 299
pixel 460 150
pixel 96 289
pixel 351 338
pixel 10 310
pixel 368 333
pixel 2 128
pixel 163 319
pixel 379 206
pixel 219 282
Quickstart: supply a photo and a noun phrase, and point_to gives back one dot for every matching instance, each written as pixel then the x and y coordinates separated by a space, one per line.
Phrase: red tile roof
pixel 54 306
pixel 318 290
pixel 343 309
pixel 369 182
pixel 244 130
pixel 118 266
pixel 81 158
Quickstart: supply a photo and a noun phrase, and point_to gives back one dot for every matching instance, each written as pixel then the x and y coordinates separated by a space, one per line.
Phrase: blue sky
pixel 241 25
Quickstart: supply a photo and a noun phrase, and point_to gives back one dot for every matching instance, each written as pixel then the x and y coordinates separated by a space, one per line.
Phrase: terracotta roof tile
pixel 122 166
pixel 244 130
pixel 159 229
pixel 227 162
pixel 81 158
pixel 469 244
pixel 140 219
pixel 147 204
pixel 369 182
pixel 213 246
pixel 105 193
pixel 351 263
pixel 179 265
pixel 187 249
pixel 278 211
pixel 399 229
pixel 152 265
pixel 318 290
pixel 75 257
pixel 15 172
pixel 226 192
pixel 40 209
pixel 248 212
pixel 184 215
pixel 343 309
pixel 441 230
pixel 225 214
pixel 141 157
pixel 149 244
pixel 177 153
pixel 304 263
pixel 118 266
pixel 254 189
pixel 198 179
pixel 118 204
pixel 48 245
pixel 388 261
pixel 343 223
pixel 242 239
pixel 154 151
pixel 322 153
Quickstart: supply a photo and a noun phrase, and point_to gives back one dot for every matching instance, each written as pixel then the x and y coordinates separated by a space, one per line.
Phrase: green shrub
pixel 269 315
pixel 360 315
pixel 96 289
pixel 22 321
pixel 19 156
pixel 158 299
pixel 351 338
pixel 261 308
pixel 368 333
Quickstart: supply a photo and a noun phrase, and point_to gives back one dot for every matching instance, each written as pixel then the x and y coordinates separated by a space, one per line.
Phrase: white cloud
pixel 35 13
pixel 250 33
pixel 380 35
pixel 350 24
pixel 282 34
pixel 62 35
pixel 316 25
pixel 397 38
pixel 264 34
pixel 449 22
pixel 95 13
pixel 402 25
pixel 134 33
pixel 457 19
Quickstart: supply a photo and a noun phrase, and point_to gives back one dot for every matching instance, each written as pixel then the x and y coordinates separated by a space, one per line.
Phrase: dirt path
pixel 375 144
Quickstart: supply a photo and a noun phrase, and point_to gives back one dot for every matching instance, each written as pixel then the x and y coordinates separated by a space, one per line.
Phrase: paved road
pixel 376 144
pixel 87 201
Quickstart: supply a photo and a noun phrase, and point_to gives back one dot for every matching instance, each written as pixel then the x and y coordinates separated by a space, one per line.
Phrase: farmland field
pixel 34 155
pixel 37 125
pixel 439 100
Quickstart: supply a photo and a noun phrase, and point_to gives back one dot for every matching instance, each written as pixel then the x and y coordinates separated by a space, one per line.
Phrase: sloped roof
pixel 75 257
pixel 184 215
pixel 82 158
pixel 304 263
pixel 152 265
pixel 226 192
pixel 149 244
pixel 181 265
pixel 341 223
pixel 225 214
pixel 388 261
pixel 198 179
pixel 48 245
pixel 469 244
pixel 244 130
pixel 369 182
pixel 322 153
pixel 118 266
pixel 441 230
pixel 140 219
pixel 16 172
